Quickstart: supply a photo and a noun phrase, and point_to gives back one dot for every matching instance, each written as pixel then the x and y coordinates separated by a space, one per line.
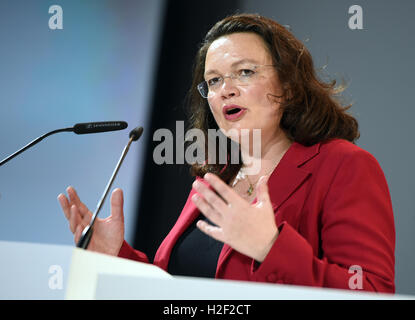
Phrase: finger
pixel 212 231
pixel 75 218
pixel 85 220
pixel 262 190
pixel 64 203
pixel 78 233
pixel 117 204
pixel 222 188
pixel 206 209
pixel 211 197
pixel 74 199
pixel 72 220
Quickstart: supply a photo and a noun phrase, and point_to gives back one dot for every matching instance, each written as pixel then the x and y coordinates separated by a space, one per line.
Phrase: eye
pixel 213 81
pixel 246 72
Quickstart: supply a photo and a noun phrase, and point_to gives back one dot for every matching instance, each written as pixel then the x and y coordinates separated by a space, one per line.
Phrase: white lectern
pixel 41 271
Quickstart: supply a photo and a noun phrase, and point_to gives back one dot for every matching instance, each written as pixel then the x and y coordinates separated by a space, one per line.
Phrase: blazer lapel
pixel 289 175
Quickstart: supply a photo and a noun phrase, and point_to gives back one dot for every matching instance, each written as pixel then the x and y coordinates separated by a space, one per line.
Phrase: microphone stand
pixel 88 230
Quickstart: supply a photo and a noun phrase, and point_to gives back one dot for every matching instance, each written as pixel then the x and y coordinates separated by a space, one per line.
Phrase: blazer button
pixel 272 277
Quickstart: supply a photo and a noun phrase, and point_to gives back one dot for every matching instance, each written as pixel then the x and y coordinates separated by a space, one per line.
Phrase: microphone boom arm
pixel 32 143
pixel 79 128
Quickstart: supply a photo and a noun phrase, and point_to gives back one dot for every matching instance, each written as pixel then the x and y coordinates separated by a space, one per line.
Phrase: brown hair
pixel 311 108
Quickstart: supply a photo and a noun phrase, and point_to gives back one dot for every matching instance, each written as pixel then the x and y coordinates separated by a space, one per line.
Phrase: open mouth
pixel 233 112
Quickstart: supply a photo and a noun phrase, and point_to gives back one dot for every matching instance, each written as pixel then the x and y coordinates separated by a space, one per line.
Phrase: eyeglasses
pixel 243 77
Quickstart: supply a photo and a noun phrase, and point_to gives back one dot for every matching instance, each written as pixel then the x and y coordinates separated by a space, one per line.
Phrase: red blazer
pixel 333 209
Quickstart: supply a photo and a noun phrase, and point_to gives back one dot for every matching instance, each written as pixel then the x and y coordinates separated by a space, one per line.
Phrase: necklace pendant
pixel 250 189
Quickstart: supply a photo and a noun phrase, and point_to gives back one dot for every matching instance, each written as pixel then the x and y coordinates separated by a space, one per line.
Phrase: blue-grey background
pixel 101 66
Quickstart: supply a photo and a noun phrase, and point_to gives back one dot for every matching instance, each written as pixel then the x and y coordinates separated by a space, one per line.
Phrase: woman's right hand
pixel 108 235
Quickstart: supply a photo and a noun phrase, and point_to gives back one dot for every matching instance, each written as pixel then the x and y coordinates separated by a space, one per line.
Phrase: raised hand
pixel 248 228
pixel 108 233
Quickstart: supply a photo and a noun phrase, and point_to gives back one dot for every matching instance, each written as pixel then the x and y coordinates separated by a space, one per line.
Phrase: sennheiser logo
pixel 106 124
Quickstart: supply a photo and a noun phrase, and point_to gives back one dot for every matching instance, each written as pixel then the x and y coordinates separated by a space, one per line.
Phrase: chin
pixel 240 133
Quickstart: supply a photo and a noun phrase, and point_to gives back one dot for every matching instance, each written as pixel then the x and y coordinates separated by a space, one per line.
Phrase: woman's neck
pixel 267 156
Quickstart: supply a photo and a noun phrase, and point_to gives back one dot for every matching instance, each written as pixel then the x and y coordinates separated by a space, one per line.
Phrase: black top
pixel 195 254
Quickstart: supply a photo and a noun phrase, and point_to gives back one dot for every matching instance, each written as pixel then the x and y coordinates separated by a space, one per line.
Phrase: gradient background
pixel 98 68
pixel 131 60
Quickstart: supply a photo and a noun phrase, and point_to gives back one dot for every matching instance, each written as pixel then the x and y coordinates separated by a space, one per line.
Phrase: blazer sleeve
pixel 128 252
pixel 357 235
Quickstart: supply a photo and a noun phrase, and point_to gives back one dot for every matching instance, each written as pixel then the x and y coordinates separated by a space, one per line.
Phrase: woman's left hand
pixel 247 228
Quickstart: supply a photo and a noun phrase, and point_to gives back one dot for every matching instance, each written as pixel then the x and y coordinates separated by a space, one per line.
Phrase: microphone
pixel 94 127
pixel 79 128
pixel 136 133
pixel 86 235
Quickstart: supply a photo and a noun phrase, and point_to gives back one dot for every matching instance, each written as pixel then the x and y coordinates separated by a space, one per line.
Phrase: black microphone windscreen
pixel 136 133
pixel 95 127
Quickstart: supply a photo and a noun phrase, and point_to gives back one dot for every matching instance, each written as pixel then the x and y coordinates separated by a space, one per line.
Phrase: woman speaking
pixel 318 211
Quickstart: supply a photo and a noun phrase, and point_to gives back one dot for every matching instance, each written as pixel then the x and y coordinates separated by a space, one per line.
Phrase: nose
pixel 229 89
